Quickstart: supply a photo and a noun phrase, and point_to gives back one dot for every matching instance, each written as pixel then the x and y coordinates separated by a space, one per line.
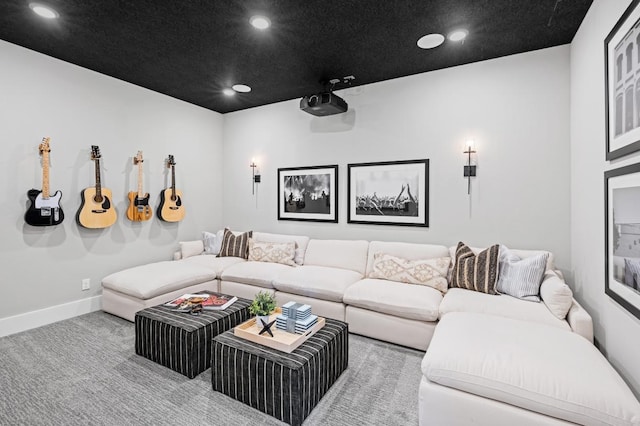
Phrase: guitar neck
pixel 98 184
pixel 140 194
pixel 45 174
pixel 173 181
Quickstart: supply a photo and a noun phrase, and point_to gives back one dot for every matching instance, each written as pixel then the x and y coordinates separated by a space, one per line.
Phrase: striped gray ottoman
pixel 285 386
pixel 182 341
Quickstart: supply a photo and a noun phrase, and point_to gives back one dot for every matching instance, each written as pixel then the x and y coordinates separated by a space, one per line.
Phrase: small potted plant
pixel 262 306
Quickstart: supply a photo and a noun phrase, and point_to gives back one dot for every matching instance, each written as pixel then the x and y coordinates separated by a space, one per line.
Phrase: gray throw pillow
pixel 212 242
pixel 521 278
pixel 632 273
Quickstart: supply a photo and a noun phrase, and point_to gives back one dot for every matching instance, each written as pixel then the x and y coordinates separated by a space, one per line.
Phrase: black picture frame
pixel 622 245
pixel 308 193
pixel 389 193
pixel 622 87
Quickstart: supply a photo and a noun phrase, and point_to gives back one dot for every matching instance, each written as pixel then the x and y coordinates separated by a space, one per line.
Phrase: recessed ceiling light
pixel 229 92
pixel 430 41
pixel 458 35
pixel 242 88
pixel 260 22
pixel 44 11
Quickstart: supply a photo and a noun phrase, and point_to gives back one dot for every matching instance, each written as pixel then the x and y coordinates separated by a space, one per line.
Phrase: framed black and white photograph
pixel 622 242
pixel 308 193
pixel 389 193
pixel 622 81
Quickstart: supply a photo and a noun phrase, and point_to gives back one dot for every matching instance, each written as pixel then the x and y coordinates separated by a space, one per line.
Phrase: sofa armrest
pixel 580 321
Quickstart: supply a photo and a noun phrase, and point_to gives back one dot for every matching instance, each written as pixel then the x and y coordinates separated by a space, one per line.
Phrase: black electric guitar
pixel 44 209
pixel 96 210
pixel 171 208
pixel 139 208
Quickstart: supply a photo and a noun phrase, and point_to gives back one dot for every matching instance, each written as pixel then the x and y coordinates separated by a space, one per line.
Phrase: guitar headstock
pixel 171 161
pixel 138 158
pixel 95 152
pixel 44 145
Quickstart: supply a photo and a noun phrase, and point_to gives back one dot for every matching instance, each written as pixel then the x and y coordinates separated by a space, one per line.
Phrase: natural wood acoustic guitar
pixel 96 210
pixel 139 208
pixel 44 209
pixel 171 208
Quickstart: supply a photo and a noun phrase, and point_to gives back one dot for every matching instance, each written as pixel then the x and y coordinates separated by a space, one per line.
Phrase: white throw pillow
pixel 191 248
pixel 521 278
pixel 212 242
pixel 429 272
pixel 556 295
pixel 272 252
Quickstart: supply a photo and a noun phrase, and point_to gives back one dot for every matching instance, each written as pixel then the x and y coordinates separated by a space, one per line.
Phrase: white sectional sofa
pixel 333 276
pixel 506 360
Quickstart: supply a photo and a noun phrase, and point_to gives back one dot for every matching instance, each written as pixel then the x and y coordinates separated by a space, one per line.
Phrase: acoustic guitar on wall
pixel 139 208
pixel 96 210
pixel 44 209
pixel 171 208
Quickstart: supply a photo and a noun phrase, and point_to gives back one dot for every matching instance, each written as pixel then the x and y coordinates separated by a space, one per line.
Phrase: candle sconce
pixel 469 168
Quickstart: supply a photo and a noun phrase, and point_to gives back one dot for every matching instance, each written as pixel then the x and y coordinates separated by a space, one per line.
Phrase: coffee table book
pixel 209 300
pixel 281 340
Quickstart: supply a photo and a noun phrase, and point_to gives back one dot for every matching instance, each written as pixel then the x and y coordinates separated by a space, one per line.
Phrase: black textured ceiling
pixel 192 49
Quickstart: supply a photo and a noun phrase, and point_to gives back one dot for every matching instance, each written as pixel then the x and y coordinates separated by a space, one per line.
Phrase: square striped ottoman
pixel 285 386
pixel 182 341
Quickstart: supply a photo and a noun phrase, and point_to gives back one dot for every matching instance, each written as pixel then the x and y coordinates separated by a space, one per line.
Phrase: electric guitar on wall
pixel 44 209
pixel 96 210
pixel 139 208
pixel 171 208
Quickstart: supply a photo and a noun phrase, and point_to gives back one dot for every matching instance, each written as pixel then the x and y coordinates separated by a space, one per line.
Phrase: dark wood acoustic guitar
pixel 44 209
pixel 96 210
pixel 171 208
pixel 139 209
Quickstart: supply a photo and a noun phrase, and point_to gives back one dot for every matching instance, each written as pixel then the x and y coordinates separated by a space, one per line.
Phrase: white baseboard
pixel 33 319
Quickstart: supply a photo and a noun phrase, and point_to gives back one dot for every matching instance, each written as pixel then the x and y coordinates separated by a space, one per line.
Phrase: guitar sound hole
pixel 98 199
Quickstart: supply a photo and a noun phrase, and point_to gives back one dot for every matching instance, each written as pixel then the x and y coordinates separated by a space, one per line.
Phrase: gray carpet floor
pixel 84 371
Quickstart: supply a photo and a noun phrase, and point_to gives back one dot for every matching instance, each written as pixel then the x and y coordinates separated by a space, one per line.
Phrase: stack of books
pixel 296 318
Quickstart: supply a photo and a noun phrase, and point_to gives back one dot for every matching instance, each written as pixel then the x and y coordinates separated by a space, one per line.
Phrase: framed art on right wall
pixel 622 84
pixel 622 236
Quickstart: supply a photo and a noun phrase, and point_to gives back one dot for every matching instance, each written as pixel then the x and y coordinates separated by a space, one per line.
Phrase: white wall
pixel 516 108
pixel 615 329
pixel 41 96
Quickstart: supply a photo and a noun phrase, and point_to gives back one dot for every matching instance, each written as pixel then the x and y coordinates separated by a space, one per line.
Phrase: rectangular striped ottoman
pixel 182 341
pixel 285 386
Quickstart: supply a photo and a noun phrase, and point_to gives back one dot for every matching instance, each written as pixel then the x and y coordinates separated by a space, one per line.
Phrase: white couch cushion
pixel 344 254
pixel 154 279
pixel 388 297
pixel 527 365
pixel 460 300
pixel 319 282
pixel 301 242
pixel 260 274
pixel 556 295
pixel 190 248
pixel 214 263
pixel 409 251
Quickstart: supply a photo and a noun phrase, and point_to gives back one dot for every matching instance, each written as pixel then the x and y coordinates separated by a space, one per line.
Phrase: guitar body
pixel 96 214
pixel 171 210
pixel 44 211
pixel 139 209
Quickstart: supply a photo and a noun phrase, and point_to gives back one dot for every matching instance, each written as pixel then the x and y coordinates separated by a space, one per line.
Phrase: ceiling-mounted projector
pixel 325 103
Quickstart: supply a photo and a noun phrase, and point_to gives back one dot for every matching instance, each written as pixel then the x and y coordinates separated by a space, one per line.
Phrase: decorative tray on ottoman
pixel 281 340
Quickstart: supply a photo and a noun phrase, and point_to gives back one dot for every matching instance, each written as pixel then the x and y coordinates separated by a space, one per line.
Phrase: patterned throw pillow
pixel 521 278
pixel 235 245
pixel 632 273
pixel 272 252
pixel 475 272
pixel 430 272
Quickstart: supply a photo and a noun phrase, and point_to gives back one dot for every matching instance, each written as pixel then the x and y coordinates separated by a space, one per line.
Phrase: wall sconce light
pixel 469 168
pixel 255 176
